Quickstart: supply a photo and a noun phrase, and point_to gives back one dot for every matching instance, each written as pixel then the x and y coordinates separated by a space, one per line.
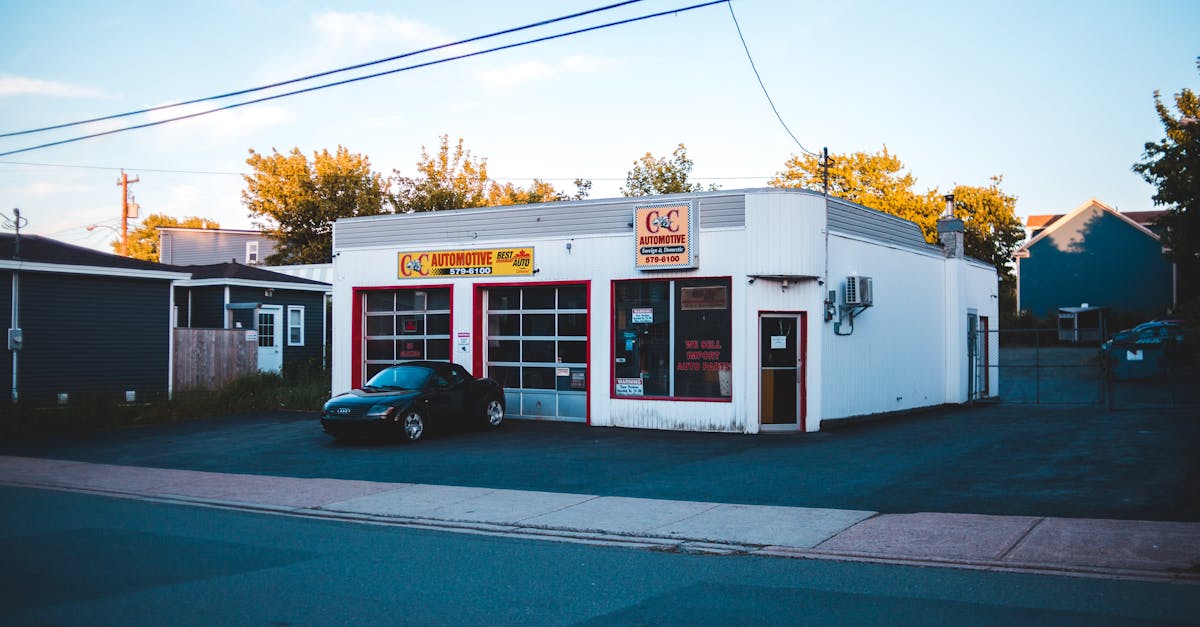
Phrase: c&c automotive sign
pixel 664 234
pixel 465 263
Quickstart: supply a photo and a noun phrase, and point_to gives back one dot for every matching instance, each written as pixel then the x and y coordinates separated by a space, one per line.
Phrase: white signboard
pixel 630 387
pixel 1133 355
pixel 643 315
pixel 251 336
pixel 778 341
pixel 463 342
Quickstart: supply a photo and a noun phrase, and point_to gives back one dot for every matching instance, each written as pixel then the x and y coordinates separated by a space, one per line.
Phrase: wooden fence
pixel 206 359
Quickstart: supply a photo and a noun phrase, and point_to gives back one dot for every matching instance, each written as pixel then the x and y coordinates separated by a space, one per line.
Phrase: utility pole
pixel 126 205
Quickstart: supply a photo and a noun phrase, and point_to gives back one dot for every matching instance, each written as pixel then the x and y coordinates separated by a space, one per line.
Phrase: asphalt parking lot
pixel 1083 462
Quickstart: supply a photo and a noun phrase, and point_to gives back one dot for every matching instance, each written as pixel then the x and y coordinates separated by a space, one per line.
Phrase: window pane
pixel 380 325
pixel 703 339
pixel 410 349
pixel 572 324
pixel 373 369
pixel 542 351
pixel 572 297
pixel 380 349
pixel 508 376
pixel 410 300
pixel 504 324
pixel 504 298
pixel 438 300
pixel 538 324
pixel 410 325
pixel 437 324
pixel 574 381
pixel 438 349
pixel 537 378
pixel 380 301
pixel 504 350
pixel 643 334
pixel 538 298
pixel 294 336
pixel 572 352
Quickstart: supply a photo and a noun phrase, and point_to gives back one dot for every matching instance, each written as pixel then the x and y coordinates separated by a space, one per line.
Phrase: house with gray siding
pixel 1098 256
pixel 82 325
pixel 289 314
pixel 190 246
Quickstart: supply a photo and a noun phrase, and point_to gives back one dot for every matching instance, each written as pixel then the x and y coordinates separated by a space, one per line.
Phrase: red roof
pixel 1144 218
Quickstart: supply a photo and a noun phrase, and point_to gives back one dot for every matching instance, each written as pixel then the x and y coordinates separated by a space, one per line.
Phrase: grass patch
pixel 298 389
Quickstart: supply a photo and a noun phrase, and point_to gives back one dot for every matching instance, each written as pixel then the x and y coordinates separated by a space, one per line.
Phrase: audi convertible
pixel 407 398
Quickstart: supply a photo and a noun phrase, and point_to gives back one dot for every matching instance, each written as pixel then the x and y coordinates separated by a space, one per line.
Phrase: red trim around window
pixel 479 339
pixel 356 324
pixel 612 346
pixel 802 349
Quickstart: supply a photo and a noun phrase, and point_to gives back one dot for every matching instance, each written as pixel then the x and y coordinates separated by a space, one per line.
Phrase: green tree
pixel 454 179
pixel 876 180
pixel 1172 166
pixel 296 200
pixel 143 240
pixel 669 175
pixel 880 181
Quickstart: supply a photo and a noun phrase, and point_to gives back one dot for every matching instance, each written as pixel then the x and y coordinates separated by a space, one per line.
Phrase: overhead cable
pixel 365 77
pixel 242 92
pixel 764 87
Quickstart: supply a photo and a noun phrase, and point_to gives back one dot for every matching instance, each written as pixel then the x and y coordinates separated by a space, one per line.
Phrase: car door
pixel 444 400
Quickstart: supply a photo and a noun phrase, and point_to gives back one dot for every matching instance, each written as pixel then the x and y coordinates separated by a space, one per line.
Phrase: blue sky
pixel 1057 97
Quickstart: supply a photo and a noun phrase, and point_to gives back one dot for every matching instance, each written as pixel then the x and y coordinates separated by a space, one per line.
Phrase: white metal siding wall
pixel 201 248
pixel 895 358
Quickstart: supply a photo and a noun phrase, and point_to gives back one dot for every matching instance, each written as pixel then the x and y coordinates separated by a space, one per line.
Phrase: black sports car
pixel 404 399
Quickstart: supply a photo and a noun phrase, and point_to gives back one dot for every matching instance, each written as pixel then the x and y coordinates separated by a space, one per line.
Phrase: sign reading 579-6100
pixel 664 234
pixel 466 263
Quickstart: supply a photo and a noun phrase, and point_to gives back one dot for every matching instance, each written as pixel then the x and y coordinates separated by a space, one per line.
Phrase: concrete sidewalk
pixel 1106 548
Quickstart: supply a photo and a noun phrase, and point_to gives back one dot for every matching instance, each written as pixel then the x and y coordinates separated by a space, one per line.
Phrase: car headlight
pixel 384 412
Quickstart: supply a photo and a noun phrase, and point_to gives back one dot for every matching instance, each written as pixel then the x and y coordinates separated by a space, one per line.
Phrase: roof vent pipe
pixel 950 230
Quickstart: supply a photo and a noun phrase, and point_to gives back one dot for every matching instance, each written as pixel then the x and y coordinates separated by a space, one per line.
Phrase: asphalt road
pixel 1001 459
pixel 76 559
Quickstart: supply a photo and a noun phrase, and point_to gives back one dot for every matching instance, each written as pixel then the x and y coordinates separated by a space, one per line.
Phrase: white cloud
pixel 17 85
pixel 221 125
pixel 41 189
pixel 342 34
pixel 523 72
pixel 529 71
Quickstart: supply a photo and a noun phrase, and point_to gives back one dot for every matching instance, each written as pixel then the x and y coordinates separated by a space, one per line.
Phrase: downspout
pixel 172 320
pixel 228 314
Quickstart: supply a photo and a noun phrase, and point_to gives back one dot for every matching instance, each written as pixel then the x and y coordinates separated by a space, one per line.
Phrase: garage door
pixel 537 347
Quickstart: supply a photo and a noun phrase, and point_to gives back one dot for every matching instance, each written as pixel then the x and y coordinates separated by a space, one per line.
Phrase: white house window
pixel 251 253
pixel 295 325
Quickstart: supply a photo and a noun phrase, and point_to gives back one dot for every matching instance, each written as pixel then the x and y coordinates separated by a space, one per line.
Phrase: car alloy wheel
pixel 494 412
pixel 414 425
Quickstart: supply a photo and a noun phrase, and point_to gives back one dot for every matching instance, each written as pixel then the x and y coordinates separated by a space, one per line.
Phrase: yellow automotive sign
pixel 466 263
pixel 664 236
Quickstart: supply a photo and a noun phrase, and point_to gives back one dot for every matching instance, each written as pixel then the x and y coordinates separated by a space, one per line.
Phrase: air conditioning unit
pixel 858 291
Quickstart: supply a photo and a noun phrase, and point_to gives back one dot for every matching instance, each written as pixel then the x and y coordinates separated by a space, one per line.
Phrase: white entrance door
pixel 270 338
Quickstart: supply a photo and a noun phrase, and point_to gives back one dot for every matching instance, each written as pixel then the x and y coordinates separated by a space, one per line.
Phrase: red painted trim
pixel 686 399
pixel 987 373
pixel 802 349
pixel 477 344
pixel 479 314
pixel 356 324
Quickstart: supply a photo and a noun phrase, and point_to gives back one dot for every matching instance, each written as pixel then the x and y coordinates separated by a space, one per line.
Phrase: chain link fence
pixel 1034 367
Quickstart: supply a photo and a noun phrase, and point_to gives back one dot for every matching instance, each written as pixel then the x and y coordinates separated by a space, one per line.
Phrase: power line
pixel 367 76
pixel 118 168
pixel 242 92
pixel 760 83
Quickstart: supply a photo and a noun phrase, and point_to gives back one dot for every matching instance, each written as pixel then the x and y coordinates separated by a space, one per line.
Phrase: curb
pixel 695 546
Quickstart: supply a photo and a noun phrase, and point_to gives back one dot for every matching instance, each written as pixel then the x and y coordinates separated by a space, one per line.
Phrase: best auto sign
pixel 664 236
pixel 464 263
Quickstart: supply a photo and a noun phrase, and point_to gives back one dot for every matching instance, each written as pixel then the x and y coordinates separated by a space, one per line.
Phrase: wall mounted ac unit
pixel 858 291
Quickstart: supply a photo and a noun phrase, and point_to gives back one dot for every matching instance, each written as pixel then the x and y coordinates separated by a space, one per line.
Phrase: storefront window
pixel 673 338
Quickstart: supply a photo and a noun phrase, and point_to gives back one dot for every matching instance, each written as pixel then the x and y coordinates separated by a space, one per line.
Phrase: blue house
pixel 1098 256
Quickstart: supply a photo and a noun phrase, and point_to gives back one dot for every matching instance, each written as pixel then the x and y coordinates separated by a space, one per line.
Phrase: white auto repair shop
pixel 741 311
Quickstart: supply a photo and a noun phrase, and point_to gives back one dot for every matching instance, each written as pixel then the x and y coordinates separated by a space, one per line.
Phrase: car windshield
pixel 400 377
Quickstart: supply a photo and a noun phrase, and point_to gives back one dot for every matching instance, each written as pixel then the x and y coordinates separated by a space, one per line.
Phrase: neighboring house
pixel 289 313
pixel 1097 256
pixel 83 325
pixel 183 246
